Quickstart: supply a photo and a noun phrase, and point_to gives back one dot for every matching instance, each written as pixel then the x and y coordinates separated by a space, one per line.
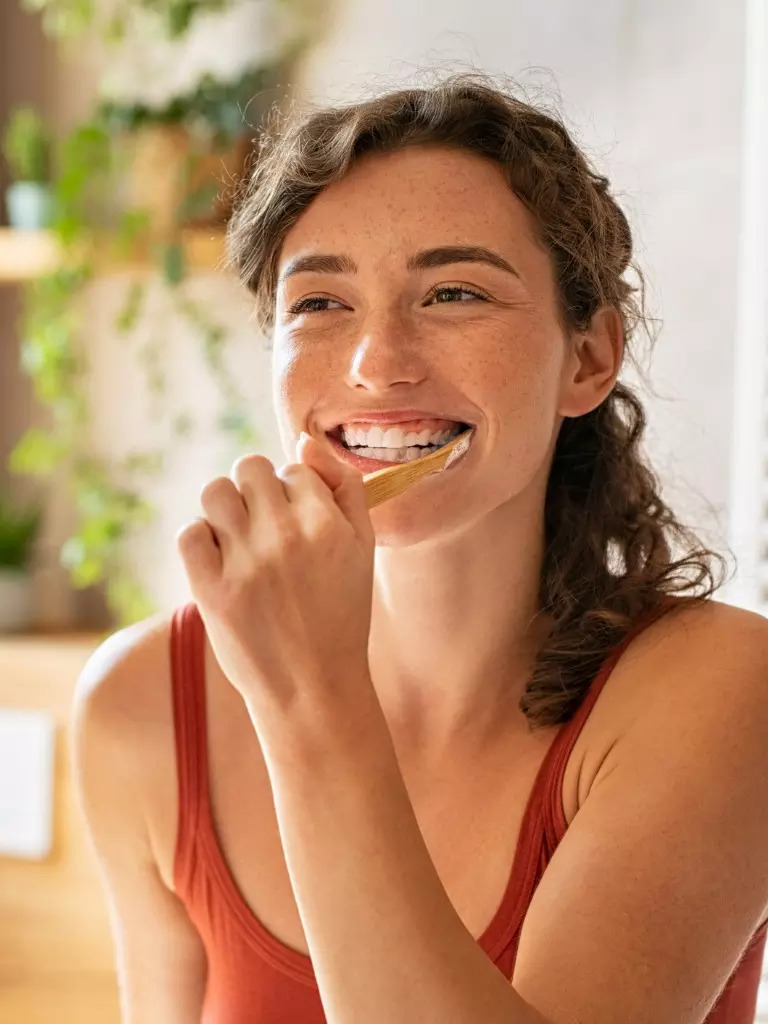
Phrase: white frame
pixel 749 447
pixel 748 533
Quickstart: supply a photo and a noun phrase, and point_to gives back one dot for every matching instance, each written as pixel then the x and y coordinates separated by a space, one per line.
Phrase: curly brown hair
pixel 608 559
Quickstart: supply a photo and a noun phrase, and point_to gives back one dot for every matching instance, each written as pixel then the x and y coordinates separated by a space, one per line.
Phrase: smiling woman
pixel 541 248
pixel 485 751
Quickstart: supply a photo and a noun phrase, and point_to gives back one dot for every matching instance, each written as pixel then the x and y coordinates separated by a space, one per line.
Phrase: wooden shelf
pixel 25 255
pixel 23 642
pixel 55 942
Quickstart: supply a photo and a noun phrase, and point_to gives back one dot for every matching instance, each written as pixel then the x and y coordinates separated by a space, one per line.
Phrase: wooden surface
pixel 25 255
pixel 56 953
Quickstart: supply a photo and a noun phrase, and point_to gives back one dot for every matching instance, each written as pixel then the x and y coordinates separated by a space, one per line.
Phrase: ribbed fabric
pixel 255 979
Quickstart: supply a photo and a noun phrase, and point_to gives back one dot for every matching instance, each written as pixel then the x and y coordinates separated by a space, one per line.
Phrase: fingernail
pixel 302 436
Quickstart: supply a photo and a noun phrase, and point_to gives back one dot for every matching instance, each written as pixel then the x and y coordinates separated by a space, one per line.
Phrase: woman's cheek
pixel 301 380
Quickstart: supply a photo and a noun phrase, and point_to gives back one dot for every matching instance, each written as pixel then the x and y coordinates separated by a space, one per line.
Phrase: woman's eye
pixel 313 303
pixel 303 305
pixel 456 290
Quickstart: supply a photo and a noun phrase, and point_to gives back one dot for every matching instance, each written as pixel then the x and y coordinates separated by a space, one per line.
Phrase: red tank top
pixel 255 979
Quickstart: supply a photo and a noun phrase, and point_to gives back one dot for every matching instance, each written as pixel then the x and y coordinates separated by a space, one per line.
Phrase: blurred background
pixel 131 371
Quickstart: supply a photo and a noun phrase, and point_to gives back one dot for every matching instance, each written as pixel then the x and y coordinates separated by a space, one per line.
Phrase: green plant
pixel 213 107
pixel 18 531
pixel 108 492
pixel 70 18
pixel 27 146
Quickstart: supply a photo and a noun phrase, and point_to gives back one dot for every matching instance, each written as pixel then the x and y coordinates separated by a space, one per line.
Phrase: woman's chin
pixel 410 519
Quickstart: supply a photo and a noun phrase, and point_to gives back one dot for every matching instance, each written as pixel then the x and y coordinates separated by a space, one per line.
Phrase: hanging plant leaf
pixel 182 424
pixel 130 226
pixel 128 316
pixel 37 453
pixel 63 18
pixel 174 263
pixel 199 202
pixel 115 29
pixel 128 598
pixel 152 462
pixel 179 17
pixel 85 567
pixel 18 531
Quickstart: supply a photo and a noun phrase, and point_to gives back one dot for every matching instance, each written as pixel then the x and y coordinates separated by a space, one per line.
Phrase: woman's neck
pixel 455 628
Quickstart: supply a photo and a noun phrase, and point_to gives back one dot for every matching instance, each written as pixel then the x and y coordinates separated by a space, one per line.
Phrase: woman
pixel 365 775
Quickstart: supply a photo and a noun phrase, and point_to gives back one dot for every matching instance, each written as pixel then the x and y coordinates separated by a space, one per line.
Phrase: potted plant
pixel 183 157
pixel 18 531
pixel 27 149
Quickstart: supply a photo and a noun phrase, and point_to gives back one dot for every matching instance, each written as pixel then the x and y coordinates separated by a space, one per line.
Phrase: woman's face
pixel 479 342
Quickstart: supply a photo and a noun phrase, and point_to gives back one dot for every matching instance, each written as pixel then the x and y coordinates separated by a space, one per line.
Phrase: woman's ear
pixel 592 364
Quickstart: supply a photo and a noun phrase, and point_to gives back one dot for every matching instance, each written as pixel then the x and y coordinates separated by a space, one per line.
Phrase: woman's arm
pixel 386 944
pixel 160 959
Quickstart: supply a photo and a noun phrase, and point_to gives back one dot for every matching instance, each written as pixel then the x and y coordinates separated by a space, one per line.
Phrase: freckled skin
pixel 501 359
pixel 382 338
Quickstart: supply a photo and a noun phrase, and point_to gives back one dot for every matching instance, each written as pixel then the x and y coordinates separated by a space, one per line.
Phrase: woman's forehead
pixel 391 216
pixel 448 183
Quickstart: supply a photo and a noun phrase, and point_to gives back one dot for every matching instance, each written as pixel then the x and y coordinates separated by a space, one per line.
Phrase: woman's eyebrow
pixel 339 263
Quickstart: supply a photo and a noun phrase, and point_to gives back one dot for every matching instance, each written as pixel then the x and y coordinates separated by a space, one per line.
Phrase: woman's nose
pixel 383 357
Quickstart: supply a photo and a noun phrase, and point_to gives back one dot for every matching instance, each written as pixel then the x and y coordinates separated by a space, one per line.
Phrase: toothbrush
pixel 384 484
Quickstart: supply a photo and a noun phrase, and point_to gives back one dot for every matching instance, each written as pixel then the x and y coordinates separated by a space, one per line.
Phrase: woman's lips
pixel 371 465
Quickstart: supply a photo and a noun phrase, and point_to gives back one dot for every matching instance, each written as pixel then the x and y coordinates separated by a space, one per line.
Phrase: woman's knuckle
pixel 248 463
pixel 296 469
pixel 191 533
pixel 215 489
pixel 288 534
pixel 323 527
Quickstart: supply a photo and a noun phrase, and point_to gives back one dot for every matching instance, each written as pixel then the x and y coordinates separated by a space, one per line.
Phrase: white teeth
pixel 395 437
pixel 395 454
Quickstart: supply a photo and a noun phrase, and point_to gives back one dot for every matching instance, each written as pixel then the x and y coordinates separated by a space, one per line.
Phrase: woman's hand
pixel 281 569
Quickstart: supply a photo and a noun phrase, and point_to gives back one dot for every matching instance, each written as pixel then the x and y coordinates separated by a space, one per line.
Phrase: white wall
pixel 654 91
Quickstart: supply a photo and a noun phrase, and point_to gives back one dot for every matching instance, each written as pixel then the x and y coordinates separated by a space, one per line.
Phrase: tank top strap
pixel 554 819
pixel 189 722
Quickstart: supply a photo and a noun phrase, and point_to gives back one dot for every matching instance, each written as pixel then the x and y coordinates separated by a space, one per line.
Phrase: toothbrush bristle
pixel 461 447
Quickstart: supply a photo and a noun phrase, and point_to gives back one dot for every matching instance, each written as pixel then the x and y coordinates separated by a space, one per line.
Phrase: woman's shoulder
pixel 123 728
pixel 707 635
pixel 120 665
pixel 700 668
pixel 694 662
pixel 124 689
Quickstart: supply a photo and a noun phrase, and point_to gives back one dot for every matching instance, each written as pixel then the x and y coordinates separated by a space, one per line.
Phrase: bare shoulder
pixel 122 746
pixel 660 882
pixel 699 663
pixel 121 682
pixel 711 615
pixel 696 677
pixel 122 716
pixel 708 644
pixel 693 652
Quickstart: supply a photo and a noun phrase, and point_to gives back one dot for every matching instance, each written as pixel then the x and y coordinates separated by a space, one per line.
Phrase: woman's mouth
pixel 368 460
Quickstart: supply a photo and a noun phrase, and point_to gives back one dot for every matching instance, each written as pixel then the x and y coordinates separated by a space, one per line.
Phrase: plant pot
pixel 158 179
pixel 16 605
pixel 29 205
